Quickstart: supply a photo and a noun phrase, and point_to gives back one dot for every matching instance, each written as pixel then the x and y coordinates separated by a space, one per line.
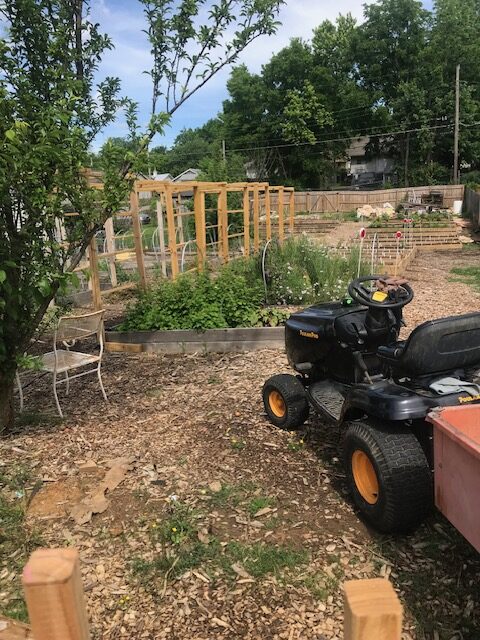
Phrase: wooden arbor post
pixel 256 218
pixel 161 235
pixel 246 221
pixel 291 207
pixel 172 233
pixel 54 594
pixel 223 222
pixel 137 235
pixel 268 215
pixel 200 226
pixel 371 610
pixel 94 274
pixel 281 216
pixel 110 242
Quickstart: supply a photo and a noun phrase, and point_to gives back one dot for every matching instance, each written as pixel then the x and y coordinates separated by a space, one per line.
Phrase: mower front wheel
pixel 285 401
pixel 388 475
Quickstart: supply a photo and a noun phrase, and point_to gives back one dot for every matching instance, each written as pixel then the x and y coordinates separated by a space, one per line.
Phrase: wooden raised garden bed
pixel 191 341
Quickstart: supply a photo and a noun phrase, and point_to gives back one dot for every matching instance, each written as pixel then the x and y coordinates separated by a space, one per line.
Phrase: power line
pixel 345 139
pixel 347 132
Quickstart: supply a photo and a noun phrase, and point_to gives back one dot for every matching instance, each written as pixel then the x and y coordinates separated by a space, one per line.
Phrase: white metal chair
pixel 69 331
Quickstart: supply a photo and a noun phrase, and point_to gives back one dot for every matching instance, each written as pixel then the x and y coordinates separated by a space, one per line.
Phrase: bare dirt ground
pixel 223 527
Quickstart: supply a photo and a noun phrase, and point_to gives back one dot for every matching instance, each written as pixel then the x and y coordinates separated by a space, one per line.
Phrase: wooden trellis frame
pixel 255 199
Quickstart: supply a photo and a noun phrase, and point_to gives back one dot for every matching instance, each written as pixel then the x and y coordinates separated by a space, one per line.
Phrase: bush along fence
pixel 173 227
pixel 56 603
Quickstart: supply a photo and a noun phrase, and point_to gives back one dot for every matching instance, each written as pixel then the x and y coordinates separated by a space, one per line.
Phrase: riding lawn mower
pixel 352 369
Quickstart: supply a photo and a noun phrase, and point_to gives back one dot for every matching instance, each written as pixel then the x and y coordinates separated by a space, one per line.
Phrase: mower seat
pixel 436 346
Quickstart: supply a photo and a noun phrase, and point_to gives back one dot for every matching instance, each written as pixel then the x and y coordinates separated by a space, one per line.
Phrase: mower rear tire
pixel 388 475
pixel 285 401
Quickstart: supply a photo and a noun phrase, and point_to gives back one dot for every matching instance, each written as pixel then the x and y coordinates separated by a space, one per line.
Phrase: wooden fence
pixel 194 223
pixel 56 603
pixel 344 201
pixel 471 205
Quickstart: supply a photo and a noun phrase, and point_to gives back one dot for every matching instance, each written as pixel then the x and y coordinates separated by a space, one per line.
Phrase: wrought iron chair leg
pixel 59 408
pixel 101 384
pixel 20 391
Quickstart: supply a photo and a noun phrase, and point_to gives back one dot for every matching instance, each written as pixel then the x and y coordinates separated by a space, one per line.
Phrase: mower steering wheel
pixel 398 292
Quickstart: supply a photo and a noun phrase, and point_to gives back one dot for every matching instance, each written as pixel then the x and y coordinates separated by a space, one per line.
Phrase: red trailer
pixel 456 444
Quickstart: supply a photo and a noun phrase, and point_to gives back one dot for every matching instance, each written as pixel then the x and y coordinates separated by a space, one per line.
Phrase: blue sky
pixel 123 20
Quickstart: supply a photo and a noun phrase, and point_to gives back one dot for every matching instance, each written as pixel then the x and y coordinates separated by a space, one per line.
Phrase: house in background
pixel 367 171
pixel 162 177
pixel 188 175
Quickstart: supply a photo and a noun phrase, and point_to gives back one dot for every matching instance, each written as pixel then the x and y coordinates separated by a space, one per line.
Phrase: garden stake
pixel 363 233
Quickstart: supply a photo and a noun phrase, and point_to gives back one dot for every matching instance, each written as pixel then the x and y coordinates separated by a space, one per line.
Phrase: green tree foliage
pixel 304 114
pixel 51 109
pixel 392 76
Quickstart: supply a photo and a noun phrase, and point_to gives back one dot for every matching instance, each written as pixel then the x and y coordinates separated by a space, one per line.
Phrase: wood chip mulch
pixel 195 430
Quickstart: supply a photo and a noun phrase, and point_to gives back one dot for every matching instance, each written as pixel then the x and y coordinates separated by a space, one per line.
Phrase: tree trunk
pixel 6 404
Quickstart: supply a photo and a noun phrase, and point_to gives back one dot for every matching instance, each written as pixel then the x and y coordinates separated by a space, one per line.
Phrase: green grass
pixel 237 445
pixel 228 495
pixel 257 559
pixel 320 585
pixel 467 275
pixel 17 538
pixel 257 503
pixel 177 548
pixel 262 559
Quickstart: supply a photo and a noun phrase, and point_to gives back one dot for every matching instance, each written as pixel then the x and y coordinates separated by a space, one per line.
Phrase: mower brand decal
pixel 309 334
pixel 464 399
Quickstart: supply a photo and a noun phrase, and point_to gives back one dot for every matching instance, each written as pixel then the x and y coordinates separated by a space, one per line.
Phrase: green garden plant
pixel 298 272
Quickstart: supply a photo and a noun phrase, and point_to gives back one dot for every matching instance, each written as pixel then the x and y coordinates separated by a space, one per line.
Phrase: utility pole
pixel 457 126
pixel 224 151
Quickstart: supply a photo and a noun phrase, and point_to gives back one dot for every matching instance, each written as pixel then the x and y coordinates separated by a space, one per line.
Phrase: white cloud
pixel 299 18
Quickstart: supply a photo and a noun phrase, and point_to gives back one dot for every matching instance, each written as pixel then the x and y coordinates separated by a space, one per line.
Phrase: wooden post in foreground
pixel 372 610
pixel 94 274
pixel 137 235
pixel 54 594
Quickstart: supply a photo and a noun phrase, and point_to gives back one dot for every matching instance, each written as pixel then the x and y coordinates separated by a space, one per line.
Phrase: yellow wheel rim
pixel 365 476
pixel 277 404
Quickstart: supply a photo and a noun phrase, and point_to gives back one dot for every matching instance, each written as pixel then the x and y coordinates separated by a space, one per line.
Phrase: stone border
pixel 191 341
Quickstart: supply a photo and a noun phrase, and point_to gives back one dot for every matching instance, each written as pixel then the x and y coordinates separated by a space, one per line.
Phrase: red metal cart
pixel 456 441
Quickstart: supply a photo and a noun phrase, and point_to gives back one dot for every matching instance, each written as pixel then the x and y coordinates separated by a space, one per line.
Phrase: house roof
pixel 182 176
pixel 164 177
pixel 358 146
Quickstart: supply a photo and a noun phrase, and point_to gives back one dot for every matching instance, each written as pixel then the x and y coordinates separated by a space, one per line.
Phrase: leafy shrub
pixel 196 301
pixel 298 272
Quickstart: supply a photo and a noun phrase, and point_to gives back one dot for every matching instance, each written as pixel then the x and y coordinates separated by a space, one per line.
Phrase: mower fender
pixel 388 401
